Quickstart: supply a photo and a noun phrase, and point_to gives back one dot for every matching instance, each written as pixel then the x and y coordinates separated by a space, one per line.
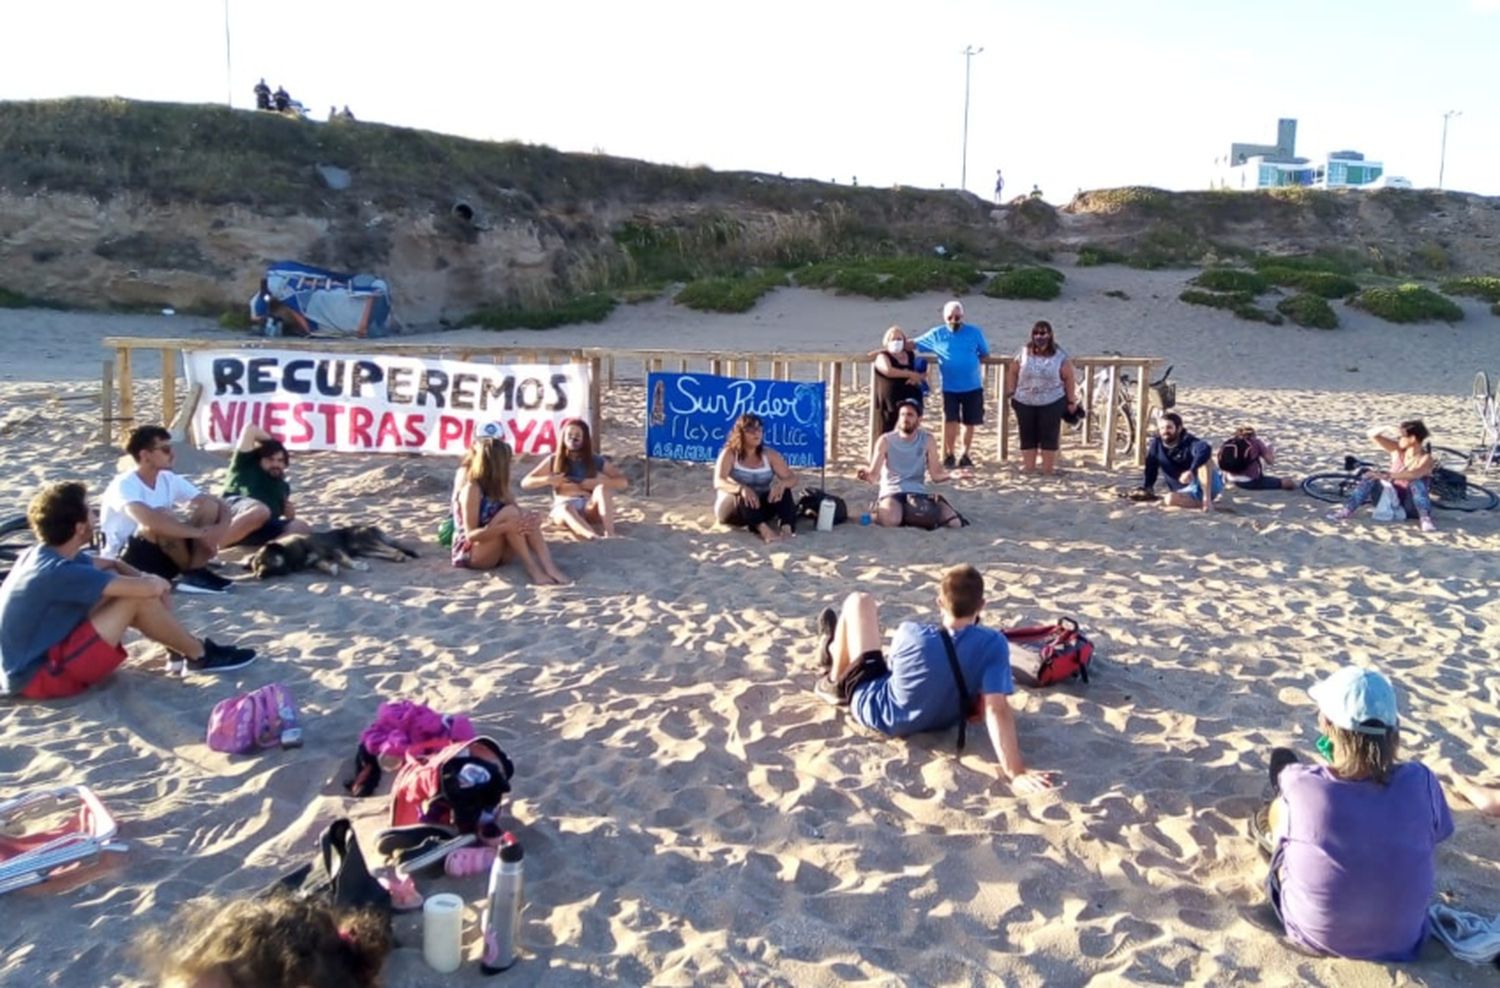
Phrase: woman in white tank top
pixel 1042 385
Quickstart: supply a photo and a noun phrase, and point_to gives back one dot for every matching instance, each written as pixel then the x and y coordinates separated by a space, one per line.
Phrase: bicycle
pixel 1451 489
pixel 1161 395
pixel 1487 408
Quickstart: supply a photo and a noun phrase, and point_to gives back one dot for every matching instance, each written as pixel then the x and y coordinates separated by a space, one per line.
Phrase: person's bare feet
pixel 1485 799
pixel 766 534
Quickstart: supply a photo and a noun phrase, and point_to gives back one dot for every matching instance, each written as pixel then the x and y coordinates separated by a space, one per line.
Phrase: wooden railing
pixel 838 370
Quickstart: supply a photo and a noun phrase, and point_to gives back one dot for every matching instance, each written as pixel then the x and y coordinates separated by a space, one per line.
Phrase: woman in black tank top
pixel 896 379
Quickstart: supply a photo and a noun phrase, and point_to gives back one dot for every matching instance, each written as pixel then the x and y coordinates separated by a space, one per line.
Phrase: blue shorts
pixel 1195 489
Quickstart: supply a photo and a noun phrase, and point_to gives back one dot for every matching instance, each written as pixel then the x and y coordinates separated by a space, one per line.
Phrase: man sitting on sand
pixel 63 613
pixel 257 492
pixel 141 528
pixel 1185 463
pixel 915 688
pixel 902 460
pixel 959 347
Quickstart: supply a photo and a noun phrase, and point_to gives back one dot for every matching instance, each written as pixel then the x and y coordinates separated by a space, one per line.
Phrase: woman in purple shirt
pixel 1354 840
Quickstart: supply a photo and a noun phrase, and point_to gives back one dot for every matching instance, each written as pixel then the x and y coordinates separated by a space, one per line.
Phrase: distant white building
pixel 1270 166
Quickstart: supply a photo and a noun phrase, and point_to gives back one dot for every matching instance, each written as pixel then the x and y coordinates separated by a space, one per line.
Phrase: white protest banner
pixel 382 403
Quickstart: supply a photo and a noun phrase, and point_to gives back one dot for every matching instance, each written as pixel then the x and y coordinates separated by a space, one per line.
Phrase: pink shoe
pixel 404 895
pixel 469 861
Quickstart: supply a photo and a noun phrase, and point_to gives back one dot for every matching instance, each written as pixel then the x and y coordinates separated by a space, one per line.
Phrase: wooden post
pixel 716 367
pixel 836 417
pixel 168 384
pixel 107 403
pixel 751 366
pixel 610 363
pixel 874 415
pixel 1003 414
pixel 682 368
pixel 1088 404
pixel 1142 413
pixel 126 386
pixel 1109 418
pixel 596 413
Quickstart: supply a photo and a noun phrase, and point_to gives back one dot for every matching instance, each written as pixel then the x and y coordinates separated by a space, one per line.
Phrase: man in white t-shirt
pixel 159 523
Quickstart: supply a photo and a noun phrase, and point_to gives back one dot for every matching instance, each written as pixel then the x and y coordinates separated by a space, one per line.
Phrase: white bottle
pixel 502 915
pixel 826 509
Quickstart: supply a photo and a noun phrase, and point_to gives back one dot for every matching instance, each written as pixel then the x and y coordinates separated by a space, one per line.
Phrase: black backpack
pixel 812 498
pixel 1236 455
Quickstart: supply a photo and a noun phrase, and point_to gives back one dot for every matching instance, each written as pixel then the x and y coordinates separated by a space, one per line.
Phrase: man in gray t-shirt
pixel 902 461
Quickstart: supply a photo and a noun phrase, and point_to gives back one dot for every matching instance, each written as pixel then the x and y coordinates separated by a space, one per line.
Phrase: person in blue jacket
pixel 1185 462
pixel 960 349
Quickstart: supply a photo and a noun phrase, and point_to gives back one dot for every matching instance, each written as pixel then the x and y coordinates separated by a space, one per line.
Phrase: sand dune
pixel 691 812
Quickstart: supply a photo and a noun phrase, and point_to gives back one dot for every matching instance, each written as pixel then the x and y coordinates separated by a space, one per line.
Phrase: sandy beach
pixel 691 812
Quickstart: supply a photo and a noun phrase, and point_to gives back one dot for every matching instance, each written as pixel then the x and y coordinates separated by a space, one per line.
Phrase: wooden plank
pixel 682 367
pixel 168 384
pixel 107 403
pixel 1142 413
pixel 1109 421
pixel 596 411
pixel 874 415
pixel 837 414
pixel 126 388
pixel 610 364
pixel 1003 415
pixel 1088 404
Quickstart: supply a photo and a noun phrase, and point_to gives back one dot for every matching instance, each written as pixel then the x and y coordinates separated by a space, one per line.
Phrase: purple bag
pixel 262 718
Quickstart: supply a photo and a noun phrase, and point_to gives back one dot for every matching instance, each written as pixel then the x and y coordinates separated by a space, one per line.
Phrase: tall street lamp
pixel 1443 154
pixel 968 53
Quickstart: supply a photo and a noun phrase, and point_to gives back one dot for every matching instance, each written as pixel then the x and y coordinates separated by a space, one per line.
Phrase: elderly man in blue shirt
pixel 959 347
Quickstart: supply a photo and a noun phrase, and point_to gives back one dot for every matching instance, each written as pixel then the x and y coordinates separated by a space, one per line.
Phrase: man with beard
pixel 257 491
pixel 902 461
pixel 1185 462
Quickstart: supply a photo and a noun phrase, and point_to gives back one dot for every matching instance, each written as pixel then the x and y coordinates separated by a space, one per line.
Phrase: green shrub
pixel 1092 255
pixel 13 300
pixel 1029 283
pixel 728 294
pixel 235 319
pixel 1332 261
pixel 1309 310
pixel 1052 273
pixel 1231 280
pixel 1407 303
pixel 889 277
pixel 1255 313
pixel 1216 300
pixel 1324 283
pixel 1486 287
pixel 593 307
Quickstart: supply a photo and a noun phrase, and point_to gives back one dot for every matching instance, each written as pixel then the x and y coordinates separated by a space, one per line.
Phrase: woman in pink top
pixel 1410 472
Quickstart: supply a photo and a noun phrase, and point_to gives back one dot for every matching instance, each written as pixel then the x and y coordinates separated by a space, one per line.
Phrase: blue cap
pixel 1359 700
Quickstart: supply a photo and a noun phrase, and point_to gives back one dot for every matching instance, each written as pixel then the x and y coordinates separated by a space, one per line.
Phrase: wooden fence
pixel 838 370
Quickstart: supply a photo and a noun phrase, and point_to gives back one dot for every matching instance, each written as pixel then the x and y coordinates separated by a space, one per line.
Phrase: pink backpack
pixel 262 718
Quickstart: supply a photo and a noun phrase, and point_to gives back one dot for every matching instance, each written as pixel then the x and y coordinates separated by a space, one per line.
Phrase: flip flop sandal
pixel 1260 830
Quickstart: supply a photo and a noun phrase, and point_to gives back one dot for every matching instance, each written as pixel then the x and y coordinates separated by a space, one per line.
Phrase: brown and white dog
pixel 326 551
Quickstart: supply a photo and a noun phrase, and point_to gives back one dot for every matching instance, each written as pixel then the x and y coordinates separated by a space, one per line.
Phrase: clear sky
pixel 1067 94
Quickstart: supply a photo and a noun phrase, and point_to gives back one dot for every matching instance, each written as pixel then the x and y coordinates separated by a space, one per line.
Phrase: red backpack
pixel 1063 653
pixel 455 786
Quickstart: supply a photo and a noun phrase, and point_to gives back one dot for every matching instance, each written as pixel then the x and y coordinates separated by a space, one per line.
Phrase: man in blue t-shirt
pixel 913 687
pixel 959 347
pixel 63 612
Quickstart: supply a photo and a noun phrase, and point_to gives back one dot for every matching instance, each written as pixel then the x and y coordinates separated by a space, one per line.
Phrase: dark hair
pixel 736 442
pixel 1051 339
pixel 1415 428
pixel 962 591
pixel 57 510
pixel 280 942
pixel 1174 418
pixel 143 438
pixel 271 447
pixel 560 458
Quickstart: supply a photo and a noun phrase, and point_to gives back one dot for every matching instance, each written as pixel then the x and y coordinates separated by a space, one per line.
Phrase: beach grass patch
pixel 1042 284
pixel 1333 261
pixel 1216 300
pixel 1093 255
pixel 1325 283
pixel 889 277
pixel 1231 280
pixel 1406 304
pixel 1486 287
pixel 731 294
pixel 236 319
pixel 1255 313
pixel 591 307
pixel 1310 310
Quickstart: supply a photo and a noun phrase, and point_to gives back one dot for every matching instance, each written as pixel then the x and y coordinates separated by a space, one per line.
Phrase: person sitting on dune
pixel 583 484
pixel 914 687
pixel 257 492
pixel 1185 462
pixel 141 527
pixel 64 613
pixel 273 942
pixel 1353 842
pixel 1410 473
pixel 489 528
pixel 1243 460
pixel 902 461
pixel 753 483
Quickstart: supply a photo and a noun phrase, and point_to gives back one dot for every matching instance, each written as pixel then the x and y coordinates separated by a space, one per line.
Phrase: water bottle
pixel 502 916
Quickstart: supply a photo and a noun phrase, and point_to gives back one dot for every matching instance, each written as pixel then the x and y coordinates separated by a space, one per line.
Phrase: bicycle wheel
pixel 1330 487
pixel 1482 394
pixel 1470 497
pixel 1453 459
pixel 1123 441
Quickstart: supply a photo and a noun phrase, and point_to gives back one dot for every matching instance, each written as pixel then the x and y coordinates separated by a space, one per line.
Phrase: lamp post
pixel 1443 154
pixel 968 53
pixel 228 75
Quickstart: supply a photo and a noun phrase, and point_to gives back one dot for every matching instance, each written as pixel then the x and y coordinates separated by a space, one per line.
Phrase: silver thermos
pixel 502 916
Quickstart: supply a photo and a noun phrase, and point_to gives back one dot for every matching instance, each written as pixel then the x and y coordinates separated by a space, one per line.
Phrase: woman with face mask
pixel 583 484
pixel 900 375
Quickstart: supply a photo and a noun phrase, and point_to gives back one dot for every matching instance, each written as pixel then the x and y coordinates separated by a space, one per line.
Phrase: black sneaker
pixel 827 691
pixel 948 462
pixel 221 658
pixel 202 581
pixel 964 461
pixel 828 622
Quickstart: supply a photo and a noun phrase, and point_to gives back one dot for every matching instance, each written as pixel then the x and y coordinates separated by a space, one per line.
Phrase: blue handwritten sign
pixel 688 416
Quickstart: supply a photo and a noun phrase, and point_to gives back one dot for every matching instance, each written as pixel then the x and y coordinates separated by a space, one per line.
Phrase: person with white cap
pixel 960 349
pixel 1353 842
